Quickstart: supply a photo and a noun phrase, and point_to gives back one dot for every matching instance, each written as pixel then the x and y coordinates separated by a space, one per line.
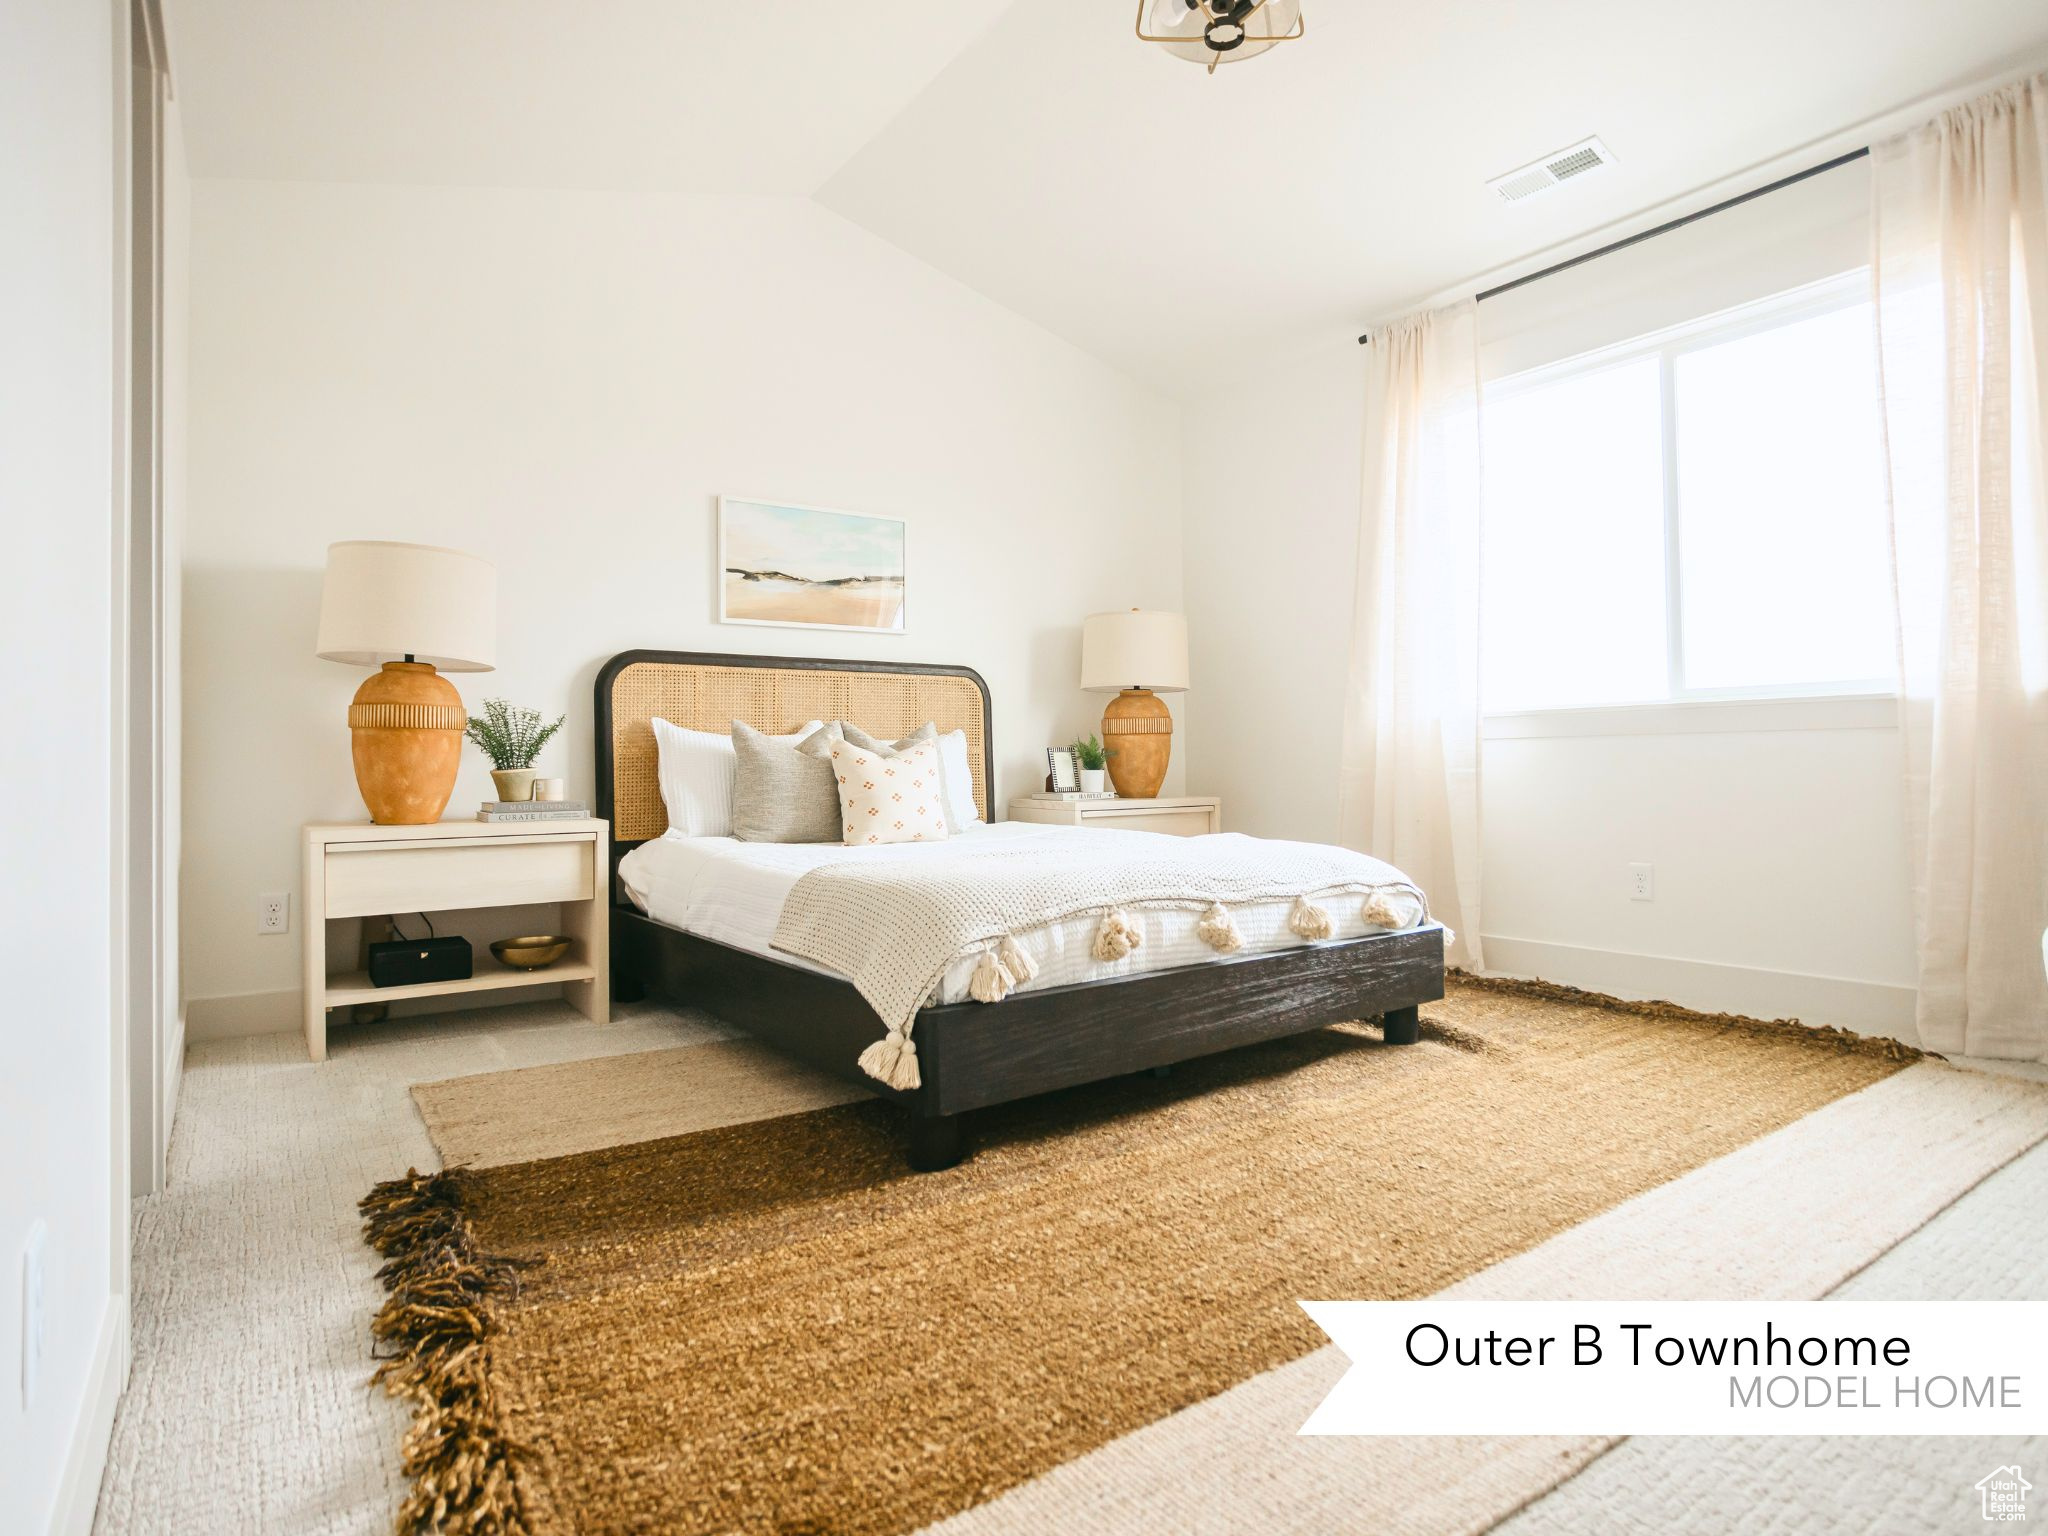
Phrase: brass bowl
pixel 531 951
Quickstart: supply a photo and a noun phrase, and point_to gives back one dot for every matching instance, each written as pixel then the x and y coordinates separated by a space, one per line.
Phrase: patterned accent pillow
pixel 954 772
pixel 890 799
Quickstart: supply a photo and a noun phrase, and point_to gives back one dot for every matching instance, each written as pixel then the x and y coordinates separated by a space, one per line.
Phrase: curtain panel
pixel 1410 791
pixel 1960 266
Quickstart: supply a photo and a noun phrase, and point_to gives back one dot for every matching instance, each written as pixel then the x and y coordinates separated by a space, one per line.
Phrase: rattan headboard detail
pixel 707 692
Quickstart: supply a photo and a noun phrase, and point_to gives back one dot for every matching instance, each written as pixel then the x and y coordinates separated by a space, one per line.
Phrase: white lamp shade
pixel 384 602
pixel 1140 648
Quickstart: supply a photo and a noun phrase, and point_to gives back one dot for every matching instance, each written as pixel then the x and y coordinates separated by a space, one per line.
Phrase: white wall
pixel 1777 836
pixel 566 381
pixel 1779 852
pixel 1270 541
pixel 57 432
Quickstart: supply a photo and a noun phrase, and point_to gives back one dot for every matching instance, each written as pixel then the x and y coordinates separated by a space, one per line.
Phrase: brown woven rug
pixel 773 1327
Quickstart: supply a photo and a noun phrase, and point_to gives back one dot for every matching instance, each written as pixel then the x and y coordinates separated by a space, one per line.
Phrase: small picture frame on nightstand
pixel 1065 770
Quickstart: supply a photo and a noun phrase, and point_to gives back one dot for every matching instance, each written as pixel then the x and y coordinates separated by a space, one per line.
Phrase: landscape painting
pixel 807 566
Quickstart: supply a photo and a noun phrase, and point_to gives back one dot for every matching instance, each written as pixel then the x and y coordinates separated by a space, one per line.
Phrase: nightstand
pixel 1176 815
pixel 355 869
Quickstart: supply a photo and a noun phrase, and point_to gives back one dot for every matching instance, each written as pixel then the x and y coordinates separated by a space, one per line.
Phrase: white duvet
pixel 732 892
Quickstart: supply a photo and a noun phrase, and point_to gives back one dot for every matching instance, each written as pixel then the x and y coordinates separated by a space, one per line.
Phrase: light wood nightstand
pixel 1177 815
pixel 354 869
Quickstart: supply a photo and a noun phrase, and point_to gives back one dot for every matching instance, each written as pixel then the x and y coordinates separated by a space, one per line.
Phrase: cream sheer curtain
pixel 1961 261
pixel 1410 790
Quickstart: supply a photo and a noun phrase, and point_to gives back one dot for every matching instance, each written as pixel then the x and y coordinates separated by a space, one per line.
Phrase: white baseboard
pixel 174 1074
pixel 243 1013
pixel 78 1493
pixel 1867 1007
pixel 277 1013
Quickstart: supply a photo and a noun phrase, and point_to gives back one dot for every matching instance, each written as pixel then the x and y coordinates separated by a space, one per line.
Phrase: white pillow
pixel 887 797
pixel 695 770
pixel 959 777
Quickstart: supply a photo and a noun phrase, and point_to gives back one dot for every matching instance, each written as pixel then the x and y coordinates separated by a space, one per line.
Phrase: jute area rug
pixel 774 1327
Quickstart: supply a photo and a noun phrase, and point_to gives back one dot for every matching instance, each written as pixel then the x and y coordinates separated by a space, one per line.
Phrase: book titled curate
pixel 544 807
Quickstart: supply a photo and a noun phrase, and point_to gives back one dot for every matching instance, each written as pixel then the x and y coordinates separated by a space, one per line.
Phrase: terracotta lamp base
pixel 405 730
pixel 1138 730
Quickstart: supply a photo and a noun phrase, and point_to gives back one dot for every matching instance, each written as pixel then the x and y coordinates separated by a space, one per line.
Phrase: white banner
pixel 1686 1368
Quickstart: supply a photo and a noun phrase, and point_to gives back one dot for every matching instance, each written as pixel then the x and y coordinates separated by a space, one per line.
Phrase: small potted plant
pixel 511 738
pixel 1093 757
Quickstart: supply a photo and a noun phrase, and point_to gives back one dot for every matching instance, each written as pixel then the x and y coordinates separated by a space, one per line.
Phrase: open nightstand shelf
pixel 351 987
pixel 357 870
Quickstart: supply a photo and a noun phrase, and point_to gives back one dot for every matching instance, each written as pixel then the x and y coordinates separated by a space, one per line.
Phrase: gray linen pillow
pixel 783 793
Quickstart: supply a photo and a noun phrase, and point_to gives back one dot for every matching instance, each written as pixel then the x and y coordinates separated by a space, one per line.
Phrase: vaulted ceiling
pixel 767 96
pixel 1167 220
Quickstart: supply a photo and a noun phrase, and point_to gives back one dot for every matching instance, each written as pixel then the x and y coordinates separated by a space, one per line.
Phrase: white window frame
pixel 1845 704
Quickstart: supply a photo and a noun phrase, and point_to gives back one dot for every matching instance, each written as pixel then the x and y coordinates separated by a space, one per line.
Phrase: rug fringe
pixel 437 1323
pixel 1846 1040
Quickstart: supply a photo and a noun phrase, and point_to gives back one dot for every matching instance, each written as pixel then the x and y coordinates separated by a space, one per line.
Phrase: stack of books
pixel 1072 794
pixel 533 810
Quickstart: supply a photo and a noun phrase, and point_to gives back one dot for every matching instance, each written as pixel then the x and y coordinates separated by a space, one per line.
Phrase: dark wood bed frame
pixel 971 1055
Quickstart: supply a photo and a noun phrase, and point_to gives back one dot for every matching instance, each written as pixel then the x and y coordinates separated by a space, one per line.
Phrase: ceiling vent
pixel 1526 181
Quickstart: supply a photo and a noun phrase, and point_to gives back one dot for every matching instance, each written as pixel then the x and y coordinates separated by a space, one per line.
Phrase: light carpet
pixel 1988 1246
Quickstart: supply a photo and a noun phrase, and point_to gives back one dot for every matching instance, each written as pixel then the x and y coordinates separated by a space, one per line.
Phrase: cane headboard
pixel 705 691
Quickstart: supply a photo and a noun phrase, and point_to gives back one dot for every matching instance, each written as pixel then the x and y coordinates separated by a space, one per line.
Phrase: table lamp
pixel 1137 656
pixel 407 609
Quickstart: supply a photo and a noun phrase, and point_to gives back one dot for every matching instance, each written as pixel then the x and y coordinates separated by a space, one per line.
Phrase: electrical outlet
pixel 32 1313
pixel 274 912
pixel 1642 882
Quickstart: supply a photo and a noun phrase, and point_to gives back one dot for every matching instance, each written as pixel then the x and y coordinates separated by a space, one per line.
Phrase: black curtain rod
pixel 1662 229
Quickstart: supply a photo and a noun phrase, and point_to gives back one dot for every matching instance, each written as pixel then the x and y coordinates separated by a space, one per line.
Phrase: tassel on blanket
pixel 1309 920
pixel 1117 936
pixel 893 1060
pixel 1218 929
pixel 1381 911
pixel 1021 966
pixel 991 981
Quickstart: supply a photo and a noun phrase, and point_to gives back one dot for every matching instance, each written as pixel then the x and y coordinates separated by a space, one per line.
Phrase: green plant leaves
pixel 510 736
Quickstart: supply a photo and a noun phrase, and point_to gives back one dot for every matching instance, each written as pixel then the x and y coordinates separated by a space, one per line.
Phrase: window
pixel 1697 514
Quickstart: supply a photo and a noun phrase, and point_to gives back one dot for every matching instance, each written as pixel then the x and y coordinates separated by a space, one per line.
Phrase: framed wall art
pixel 810 567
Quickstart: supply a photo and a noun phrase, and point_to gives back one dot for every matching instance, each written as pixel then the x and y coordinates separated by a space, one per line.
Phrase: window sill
pixel 1703 717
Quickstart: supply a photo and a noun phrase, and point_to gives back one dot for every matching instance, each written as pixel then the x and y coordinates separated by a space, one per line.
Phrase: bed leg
pixel 935 1142
pixel 626 988
pixel 1402 1026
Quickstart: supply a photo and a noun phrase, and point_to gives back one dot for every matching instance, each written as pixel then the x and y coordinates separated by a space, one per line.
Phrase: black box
pixel 405 962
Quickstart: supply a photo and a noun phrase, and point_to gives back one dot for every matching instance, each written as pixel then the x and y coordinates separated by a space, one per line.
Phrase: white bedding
pixel 732 892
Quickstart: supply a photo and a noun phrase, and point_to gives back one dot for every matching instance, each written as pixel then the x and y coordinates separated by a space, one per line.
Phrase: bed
pixel 692 918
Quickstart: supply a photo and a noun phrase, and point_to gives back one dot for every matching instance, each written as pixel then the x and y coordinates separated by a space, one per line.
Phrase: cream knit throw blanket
pixel 893 923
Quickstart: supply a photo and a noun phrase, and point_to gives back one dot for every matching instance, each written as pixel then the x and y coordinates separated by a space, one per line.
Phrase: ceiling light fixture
pixel 1216 32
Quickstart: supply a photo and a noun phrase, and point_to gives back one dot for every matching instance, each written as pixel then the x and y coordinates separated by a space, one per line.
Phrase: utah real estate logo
pixel 2005 1495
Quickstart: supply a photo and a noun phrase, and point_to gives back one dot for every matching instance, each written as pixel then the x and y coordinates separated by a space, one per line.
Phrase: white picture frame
pixel 788 565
